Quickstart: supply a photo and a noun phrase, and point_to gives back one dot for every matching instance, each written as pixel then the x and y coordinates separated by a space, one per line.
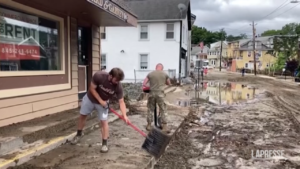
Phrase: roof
pixel 124 5
pixel 217 44
pixel 263 39
pixel 197 50
pixel 157 9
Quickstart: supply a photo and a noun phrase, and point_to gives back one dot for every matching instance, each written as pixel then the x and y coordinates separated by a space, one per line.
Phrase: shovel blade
pixel 156 142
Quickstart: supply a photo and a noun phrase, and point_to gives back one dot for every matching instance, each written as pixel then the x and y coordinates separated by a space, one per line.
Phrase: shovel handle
pixel 129 123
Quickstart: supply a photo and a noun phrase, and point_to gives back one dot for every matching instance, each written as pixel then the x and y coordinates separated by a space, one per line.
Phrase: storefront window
pixel 28 42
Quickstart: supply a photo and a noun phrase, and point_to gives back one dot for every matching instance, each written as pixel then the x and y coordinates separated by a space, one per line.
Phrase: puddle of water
pixel 222 93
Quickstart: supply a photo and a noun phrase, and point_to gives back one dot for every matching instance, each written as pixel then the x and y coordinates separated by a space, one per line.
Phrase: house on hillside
pixel 215 52
pixel 198 53
pixel 241 52
pixel 162 36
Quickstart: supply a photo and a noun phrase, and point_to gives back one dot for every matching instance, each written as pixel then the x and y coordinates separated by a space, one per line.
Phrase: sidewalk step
pixel 24 134
pixel 16 137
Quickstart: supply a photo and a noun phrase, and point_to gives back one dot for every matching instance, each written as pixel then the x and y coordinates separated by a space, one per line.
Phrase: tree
pixel 234 38
pixel 290 29
pixel 287 45
pixel 271 32
pixel 243 36
pixel 280 62
pixel 201 34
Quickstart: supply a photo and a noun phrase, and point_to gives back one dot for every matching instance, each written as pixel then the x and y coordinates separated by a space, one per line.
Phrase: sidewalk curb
pixel 153 161
pixel 44 148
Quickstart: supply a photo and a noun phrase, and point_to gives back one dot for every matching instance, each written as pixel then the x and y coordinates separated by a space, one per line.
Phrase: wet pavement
pixel 221 93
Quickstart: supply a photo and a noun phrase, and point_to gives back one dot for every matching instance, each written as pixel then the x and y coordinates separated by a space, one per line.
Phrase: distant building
pixel 198 53
pixel 241 52
pixel 214 54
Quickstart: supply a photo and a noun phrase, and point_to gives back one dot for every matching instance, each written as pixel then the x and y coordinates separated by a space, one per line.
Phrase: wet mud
pixel 229 135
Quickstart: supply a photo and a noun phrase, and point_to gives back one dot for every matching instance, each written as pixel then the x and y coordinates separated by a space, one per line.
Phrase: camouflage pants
pixel 154 100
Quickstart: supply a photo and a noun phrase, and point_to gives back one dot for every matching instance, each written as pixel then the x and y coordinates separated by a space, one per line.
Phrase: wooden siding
pixel 96 49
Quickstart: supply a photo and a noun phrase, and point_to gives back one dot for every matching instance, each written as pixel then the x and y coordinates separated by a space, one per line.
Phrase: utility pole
pixel 253 44
pixel 221 50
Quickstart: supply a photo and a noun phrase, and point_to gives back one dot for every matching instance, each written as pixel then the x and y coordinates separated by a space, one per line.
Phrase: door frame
pixel 86 79
pixel 89 53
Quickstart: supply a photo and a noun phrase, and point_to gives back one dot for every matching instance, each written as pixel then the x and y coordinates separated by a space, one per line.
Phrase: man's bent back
pixel 157 81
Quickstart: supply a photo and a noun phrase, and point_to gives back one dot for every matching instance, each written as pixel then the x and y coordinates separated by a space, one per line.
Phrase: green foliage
pixel 271 32
pixel 288 29
pixel 201 34
pixel 234 38
pixel 280 62
pixel 286 45
pixel 284 41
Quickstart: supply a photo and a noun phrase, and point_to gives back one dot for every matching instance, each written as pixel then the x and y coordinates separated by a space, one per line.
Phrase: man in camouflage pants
pixel 157 79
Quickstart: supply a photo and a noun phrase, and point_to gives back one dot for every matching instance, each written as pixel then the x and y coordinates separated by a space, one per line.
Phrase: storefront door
pixel 84 59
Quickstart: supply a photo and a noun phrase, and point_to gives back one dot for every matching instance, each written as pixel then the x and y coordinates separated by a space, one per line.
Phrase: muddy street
pixel 252 116
pixel 124 142
pixel 231 122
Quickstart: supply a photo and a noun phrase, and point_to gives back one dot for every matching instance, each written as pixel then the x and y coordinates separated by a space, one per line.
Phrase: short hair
pixel 117 73
pixel 159 64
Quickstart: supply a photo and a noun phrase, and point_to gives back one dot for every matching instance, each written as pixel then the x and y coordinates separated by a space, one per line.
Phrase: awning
pixel 98 12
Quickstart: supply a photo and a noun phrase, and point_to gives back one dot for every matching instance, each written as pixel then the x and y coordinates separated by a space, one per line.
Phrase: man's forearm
pixel 145 81
pixel 168 82
pixel 123 108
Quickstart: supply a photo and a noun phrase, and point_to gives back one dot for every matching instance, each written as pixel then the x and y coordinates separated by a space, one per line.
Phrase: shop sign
pixel 110 7
pixel 19 36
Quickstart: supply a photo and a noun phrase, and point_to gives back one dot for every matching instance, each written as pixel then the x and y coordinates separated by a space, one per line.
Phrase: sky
pixel 235 16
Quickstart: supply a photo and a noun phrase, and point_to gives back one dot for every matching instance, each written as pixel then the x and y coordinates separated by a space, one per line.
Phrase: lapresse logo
pixel 266 153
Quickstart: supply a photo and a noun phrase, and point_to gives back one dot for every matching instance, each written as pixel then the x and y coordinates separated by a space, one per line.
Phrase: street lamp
pixel 294 1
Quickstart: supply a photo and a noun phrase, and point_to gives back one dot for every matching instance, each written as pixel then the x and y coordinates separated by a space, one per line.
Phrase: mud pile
pixel 180 149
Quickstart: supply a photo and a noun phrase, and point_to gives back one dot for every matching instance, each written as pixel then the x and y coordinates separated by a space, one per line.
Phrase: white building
pixel 162 36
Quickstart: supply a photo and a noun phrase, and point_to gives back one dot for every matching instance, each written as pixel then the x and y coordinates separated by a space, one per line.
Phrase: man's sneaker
pixel 104 149
pixel 76 139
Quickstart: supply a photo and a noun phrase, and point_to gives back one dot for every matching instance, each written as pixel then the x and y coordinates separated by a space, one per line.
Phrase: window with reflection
pixel 28 42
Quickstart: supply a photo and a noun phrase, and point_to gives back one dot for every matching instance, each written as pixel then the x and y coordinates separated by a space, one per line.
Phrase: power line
pixel 289 9
pixel 284 4
pixel 275 10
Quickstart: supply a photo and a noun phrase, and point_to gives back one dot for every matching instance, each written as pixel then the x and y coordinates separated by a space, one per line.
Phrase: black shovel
pixel 155 142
